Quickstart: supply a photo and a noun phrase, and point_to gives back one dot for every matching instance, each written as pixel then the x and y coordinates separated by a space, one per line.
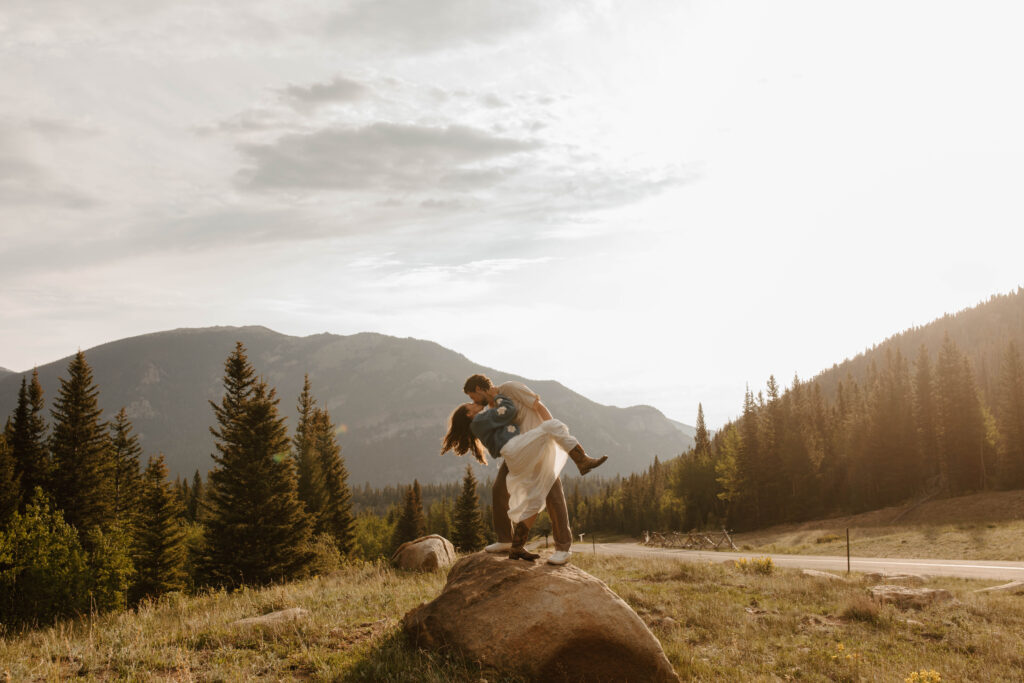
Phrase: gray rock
pixel 539 621
pixel 281 616
pixel 905 597
pixel 1013 585
pixel 424 554
pixel 885 577
pixel 814 573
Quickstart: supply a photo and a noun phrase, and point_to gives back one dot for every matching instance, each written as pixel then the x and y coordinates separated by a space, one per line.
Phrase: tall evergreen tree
pixel 335 516
pixel 159 551
pixel 83 476
pixel 702 443
pixel 439 518
pixel 1010 418
pixel 925 415
pixel 10 488
pixel 411 522
pixel 195 499
pixel 468 524
pixel 962 429
pixel 27 439
pixel 256 528
pixel 127 476
pixel 310 477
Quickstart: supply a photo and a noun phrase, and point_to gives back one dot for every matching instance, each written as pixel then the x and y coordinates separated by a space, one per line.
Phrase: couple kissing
pixel 510 422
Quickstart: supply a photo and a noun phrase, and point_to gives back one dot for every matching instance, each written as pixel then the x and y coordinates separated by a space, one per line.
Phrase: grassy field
pixel 716 622
pixel 985 526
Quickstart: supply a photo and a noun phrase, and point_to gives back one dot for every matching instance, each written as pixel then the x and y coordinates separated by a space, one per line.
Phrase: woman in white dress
pixel 534 458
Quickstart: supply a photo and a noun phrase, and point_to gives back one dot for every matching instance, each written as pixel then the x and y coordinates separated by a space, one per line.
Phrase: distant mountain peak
pixel 392 395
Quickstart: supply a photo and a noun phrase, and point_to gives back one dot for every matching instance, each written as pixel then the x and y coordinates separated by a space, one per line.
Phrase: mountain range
pixel 389 397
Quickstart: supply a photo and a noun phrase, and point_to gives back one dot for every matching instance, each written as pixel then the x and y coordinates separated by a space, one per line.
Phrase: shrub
pixel 863 609
pixel 827 538
pixel 760 565
pixel 43 569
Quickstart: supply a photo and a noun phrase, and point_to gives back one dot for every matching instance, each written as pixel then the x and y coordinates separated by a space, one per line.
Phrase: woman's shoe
pixel 583 461
pixel 520 534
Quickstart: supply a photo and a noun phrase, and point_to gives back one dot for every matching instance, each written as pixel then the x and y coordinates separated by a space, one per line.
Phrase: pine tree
pixel 702 444
pixel 336 517
pixel 961 419
pixel 27 439
pixel 159 551
pixel 256 529
pixel 310 478
pixel 925 415
pixel 10 487
pixel 83 476
pixel 411 523
pixel 195 499
pixel 439 518
pixel 127 476
pixel 467 523
pixel 1010 419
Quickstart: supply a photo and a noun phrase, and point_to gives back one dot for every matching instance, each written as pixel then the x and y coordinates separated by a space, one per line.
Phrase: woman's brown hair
pixel 460 437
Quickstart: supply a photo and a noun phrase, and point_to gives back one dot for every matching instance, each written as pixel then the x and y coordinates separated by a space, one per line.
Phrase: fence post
pixel 847 550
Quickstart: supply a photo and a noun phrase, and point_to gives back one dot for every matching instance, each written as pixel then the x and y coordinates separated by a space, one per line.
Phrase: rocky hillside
pixel 390 397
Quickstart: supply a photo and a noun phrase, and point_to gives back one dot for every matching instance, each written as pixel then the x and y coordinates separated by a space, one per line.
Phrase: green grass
pixel 723 624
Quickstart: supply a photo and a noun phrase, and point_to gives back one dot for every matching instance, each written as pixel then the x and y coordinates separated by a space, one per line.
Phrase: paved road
pixel 974 569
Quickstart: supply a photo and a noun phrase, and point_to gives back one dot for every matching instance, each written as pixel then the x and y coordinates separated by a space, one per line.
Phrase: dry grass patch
pixel 715 622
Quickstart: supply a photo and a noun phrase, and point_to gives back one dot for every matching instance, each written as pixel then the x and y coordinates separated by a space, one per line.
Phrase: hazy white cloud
pixel 414 26
pixel 337 90
pixel 381 156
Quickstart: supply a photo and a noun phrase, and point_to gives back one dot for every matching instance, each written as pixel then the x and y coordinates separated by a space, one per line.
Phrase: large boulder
pixel 424 554
pixel 540 621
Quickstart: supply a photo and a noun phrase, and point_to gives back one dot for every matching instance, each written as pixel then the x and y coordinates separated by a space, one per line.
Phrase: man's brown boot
pixel 583 461
pixel 520 534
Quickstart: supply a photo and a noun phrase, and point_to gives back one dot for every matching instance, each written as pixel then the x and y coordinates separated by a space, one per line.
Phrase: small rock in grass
pixel 1005 587
pixel 898 577
pixel 829 576
pixel 291 614
pixel 904 597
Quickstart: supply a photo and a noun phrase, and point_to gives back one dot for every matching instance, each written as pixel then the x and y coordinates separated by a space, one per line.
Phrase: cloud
pixel 384 156
pixel 411 26
pixel 335 91
pixel 23 181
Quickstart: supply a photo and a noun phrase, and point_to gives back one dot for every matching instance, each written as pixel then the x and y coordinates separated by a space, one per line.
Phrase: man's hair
pixel 477 383
pixel 460 436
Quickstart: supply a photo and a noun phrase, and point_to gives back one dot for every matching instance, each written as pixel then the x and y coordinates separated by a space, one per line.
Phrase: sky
pixel 655 202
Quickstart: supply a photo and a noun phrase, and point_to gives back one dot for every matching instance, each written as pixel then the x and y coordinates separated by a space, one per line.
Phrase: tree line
pixel 85 526
pixel 904 429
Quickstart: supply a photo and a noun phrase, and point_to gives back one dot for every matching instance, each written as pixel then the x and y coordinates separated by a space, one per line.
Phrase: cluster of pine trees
pixel 904 429
pixel 463 521
pixel 83 526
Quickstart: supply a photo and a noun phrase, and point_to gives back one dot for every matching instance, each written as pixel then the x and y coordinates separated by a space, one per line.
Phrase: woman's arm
pixel 504 411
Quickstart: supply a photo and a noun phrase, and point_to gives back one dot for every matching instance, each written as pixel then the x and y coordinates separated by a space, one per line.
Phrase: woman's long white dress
pixel 535 458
